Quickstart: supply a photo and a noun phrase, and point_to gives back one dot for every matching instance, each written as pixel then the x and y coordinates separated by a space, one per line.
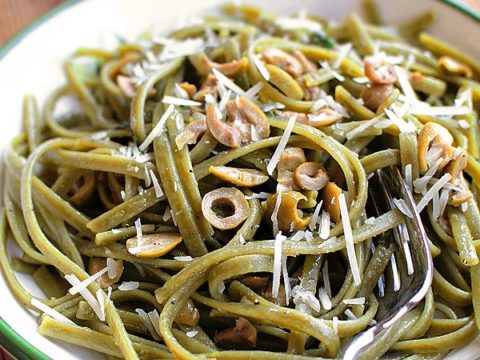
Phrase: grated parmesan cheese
pixel 221 88
pixel 155 320
pixel 272 106
pixel 325 65
pixel 261 67
pixel 183 258
pixel 274 218
pixel 318 104
pixel 191 333
pixel 148 179
pixel 148 323
pixel 347 230
pixel 463 124
pixel 179 101
pixel 180 92
pixel 99 135
pixel 302 296
pixel 343 51
pixel 241 240
pixel 253 91
pixel 361 80
pixel 420 184
pixel 277 263
pixel 254 133
pixel 286 279
pixel 362 127
pixel 225 98
pixel 324 298
pixel 101 303
pixel 156 185
pixel 281 145
pixel 299 235
pixel 260 195
pixel 354 301
pixel 409 61
pixel 50 312
pixel 434 189
pixel 226 82
pixel 209 99
pixel 334 105
pixel 308 235
pixel 84 284
pixel 111 268
pixel 380 57
pixel 401 124
pixel 439 209
pixel 167 215
pixel 433 154
pixel 138 228
pixel 383 124
pixel 335 324
pixel 350 314
pixel 128 285
pixel 211 38
pixel 405 84
pixel 324 229
pixel 144 158
pixel 157 129
pixel 87 295
pixel 314 220
pixel 465 98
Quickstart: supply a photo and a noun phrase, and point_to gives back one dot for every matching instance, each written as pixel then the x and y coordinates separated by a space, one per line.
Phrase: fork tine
pixel 413 285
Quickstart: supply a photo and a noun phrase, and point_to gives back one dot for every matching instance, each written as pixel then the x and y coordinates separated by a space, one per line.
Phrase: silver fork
pixel 410 238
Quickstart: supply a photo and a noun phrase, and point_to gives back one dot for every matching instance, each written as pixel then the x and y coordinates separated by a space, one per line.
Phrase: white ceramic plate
pixel 31 63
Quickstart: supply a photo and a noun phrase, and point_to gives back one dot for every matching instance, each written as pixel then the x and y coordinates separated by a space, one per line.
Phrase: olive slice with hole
pixel 225 208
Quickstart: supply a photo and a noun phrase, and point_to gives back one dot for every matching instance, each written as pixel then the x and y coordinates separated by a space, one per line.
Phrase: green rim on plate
pixel 10 340
pixel 17 346
pixel 463 8
pixel 13 41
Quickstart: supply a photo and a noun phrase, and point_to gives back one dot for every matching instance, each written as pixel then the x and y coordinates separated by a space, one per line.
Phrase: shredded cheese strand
pixel 157 129
pixel 51 312
pixel 347 231
pixel 281 145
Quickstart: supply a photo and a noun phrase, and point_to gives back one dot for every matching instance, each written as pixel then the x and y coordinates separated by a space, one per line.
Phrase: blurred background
pixel 16 14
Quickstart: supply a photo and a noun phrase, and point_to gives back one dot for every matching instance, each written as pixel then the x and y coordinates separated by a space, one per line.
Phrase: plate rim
pixel 11 341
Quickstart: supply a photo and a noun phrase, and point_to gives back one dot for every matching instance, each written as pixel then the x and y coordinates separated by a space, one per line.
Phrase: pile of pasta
pixel 204 194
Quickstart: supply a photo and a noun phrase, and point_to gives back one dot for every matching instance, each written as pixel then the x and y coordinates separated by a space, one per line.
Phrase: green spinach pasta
pixel 204 194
